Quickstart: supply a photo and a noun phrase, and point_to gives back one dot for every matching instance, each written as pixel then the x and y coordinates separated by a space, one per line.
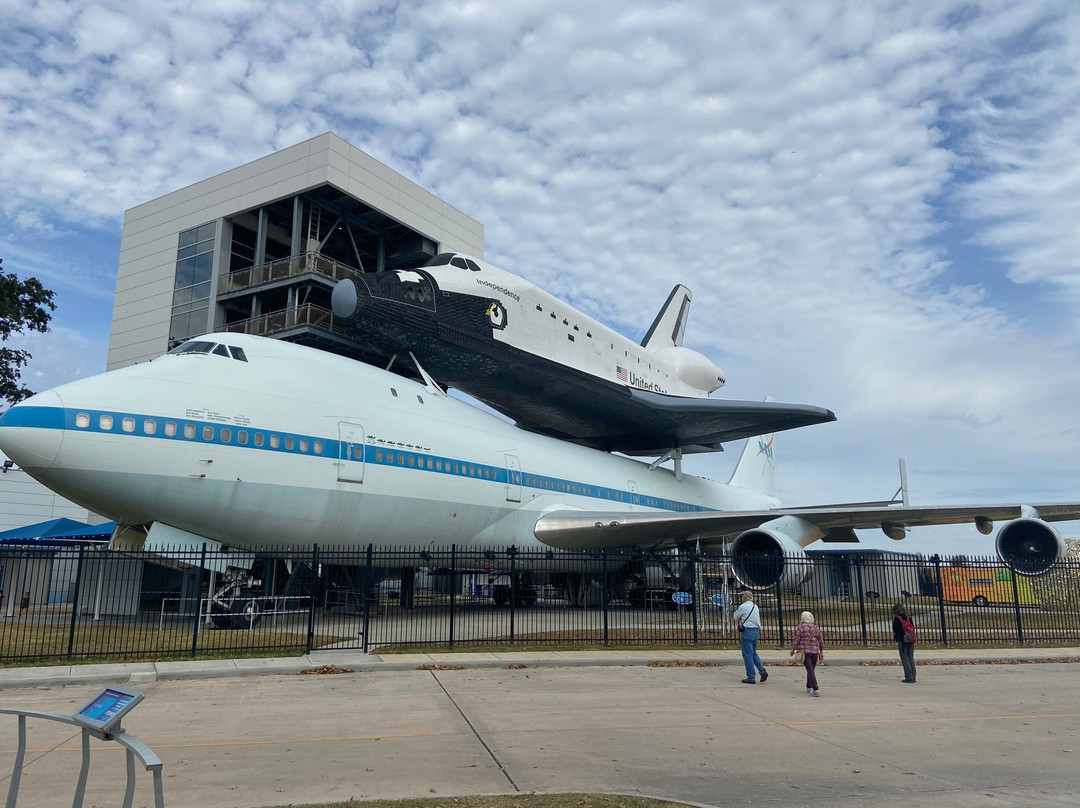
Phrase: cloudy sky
pixel 876 204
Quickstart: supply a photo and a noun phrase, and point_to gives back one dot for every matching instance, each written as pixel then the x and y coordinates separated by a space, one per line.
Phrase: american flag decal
pixel 620 373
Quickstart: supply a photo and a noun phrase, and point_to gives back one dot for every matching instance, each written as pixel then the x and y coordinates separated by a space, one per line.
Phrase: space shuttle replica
pixel 551 368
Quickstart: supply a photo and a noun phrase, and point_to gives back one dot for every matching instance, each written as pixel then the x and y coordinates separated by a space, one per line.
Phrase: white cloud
pixel 804 168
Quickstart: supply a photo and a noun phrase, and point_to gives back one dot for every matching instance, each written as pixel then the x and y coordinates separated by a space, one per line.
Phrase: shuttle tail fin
pixel 670 324
pixel 757 464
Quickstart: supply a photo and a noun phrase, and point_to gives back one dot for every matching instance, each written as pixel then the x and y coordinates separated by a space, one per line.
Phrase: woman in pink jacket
pixel 808 639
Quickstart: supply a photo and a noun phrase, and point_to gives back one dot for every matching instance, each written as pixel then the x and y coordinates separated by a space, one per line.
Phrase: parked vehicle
pixel 983 586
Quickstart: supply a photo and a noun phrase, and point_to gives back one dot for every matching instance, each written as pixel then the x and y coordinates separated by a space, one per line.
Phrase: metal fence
pixel 92 602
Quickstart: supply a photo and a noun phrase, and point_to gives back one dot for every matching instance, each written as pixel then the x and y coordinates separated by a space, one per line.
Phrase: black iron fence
pixel 92 602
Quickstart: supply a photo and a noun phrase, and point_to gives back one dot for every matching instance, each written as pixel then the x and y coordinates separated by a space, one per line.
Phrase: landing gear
pixel 238 604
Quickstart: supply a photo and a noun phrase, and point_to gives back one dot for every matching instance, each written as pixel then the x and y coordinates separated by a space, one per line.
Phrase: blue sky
pixel 875 204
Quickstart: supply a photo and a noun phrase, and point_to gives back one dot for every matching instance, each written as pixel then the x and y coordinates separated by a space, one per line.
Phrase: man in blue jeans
pixel 748 618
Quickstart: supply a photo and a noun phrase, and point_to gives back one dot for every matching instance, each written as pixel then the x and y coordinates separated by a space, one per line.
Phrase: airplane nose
pixel 31 432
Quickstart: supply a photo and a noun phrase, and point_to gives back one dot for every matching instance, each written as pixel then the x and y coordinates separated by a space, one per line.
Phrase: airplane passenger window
pixel 411 461
pixel 275 441
pixel 128 424
pixel 207 433
pixel 260 438
pixel 82 420
pixel 430 463
pixel 400 459
pixel 170 428
pixel 189 431
pixel 289 443
pixel 358 453
pixel 318 447
pixel 378 455
pixel 242 437
pixel 226 435
pixel 438 465
pixel 105 422
pixel 221 350
pixel 149 426
pixel 303 445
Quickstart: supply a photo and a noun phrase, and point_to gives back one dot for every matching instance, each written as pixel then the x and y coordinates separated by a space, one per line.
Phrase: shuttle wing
pixel 600 530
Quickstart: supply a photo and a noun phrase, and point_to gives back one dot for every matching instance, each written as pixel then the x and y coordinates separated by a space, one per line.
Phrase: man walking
pixel 748 619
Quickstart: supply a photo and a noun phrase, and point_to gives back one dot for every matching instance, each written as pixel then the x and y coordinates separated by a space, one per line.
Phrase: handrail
pixel 135 748
pixel 273 322
pixel 282 269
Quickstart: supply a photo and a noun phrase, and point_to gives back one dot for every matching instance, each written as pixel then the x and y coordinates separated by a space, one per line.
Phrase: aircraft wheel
pixel 246 612
pixel 980 601
pixel 501 595
pixel 219 616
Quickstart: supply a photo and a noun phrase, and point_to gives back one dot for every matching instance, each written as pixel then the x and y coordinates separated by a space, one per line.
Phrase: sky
pixel 875 204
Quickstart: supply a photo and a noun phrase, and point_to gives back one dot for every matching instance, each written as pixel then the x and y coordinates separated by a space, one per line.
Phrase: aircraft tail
pixel 757 464
pixel 670 324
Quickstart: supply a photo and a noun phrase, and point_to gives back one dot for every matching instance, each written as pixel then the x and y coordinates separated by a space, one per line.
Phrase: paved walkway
pixel 242 733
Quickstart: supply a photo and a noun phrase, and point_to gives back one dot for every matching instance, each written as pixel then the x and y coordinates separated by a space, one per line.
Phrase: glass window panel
pixel 203 266
pixel 170 428
pixel 242 437
pixel 238 353
pixel 189 431
pixel 260 438
pixel 185 252
pixel 82 420
pixel 200 292
pixel 206 231
pixel 275 441
pixel 226 435
pixel 198 322
pixel 289 444
pixel 303 445
pixel 189 237
pixel 180 298
pixel 178 328
pixel 318 447
pixel 105 422
pixel 185 273
pixel 128 424
pixel 207 433
pixel 221 350
pixel 149 426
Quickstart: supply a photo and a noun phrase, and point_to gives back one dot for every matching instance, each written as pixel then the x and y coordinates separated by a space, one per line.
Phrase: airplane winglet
pixel 669 326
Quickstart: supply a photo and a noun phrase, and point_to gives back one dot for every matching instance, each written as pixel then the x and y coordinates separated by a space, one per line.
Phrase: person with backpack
pixel 904 633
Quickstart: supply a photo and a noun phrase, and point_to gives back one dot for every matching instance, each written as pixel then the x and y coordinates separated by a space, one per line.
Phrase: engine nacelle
pixel 693 368
pixel 761 558
pixel 1029 546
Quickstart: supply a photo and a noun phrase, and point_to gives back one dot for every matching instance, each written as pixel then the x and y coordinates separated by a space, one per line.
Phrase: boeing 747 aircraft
pixel 242 441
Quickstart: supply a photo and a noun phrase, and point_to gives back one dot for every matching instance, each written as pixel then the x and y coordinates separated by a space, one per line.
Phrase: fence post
pixel 779 610
pixel 75 602
pixel 198 603
pixel 369 587
pixel 311 608
pixel 940 599
pixel 453 587
pixel 862 601
pixel 604 594
pixel 512 552
pixel 1016 606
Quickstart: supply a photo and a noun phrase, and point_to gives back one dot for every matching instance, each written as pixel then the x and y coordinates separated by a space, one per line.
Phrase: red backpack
pixel 910 634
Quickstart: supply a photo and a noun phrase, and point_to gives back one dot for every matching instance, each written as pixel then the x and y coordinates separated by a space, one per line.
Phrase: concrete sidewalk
pixel 148 672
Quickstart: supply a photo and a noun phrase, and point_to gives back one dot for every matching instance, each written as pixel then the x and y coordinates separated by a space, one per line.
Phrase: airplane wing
pixel 597 530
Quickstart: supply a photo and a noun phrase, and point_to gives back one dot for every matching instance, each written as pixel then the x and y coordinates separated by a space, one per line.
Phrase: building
pixel 259 248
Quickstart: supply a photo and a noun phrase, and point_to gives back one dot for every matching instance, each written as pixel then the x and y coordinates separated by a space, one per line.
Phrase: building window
pixel 191 286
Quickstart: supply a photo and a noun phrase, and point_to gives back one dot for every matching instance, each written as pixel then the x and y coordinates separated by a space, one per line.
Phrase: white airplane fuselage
pixel 296 446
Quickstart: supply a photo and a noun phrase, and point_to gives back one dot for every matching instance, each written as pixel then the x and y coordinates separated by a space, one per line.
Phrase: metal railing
pixel 306 315
pixel 96 603
pixel 309 263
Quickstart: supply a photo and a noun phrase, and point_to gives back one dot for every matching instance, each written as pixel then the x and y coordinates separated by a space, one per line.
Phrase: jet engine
pixel 693 368
pixel 764 557
pixel 1030 546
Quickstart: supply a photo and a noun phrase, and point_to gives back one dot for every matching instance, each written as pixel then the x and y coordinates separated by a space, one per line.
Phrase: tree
pixel 23 305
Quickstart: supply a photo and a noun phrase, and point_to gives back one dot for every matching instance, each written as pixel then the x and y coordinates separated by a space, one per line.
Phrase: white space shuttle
pixel 242 442
pixel 551 368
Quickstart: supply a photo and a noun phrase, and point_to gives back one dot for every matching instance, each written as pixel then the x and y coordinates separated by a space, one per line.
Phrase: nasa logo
pixel 496 315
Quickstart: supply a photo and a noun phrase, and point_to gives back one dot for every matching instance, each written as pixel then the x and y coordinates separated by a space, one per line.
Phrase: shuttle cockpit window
pixel 458 261
pixel 471 264
pixel 439 260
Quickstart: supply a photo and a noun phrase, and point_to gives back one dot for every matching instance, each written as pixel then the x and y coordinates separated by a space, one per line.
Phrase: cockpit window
pixel 439 260
pixel 458 261
pixel 194 346
pixel 471 264
pixel 204 347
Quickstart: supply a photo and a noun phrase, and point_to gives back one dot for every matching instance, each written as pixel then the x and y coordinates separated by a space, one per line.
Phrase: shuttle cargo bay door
pixel 350 452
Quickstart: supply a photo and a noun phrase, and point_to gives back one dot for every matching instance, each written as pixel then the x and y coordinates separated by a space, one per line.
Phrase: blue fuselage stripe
pixel 189 430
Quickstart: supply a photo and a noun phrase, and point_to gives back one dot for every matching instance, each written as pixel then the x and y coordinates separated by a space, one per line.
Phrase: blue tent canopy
pixel 57 531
